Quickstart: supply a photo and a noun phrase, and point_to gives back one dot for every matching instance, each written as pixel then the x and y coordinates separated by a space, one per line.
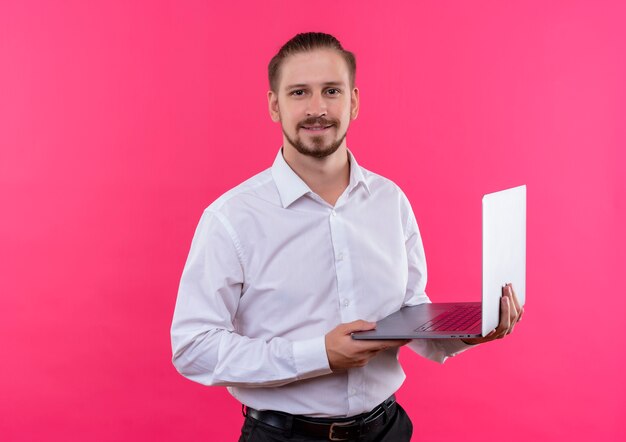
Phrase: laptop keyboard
pixel 457 319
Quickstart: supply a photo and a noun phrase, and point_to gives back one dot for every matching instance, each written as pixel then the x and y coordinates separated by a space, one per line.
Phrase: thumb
pixel 359 325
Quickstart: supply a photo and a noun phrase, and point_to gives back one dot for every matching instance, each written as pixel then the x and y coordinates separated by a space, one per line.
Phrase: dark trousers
pixel 397 429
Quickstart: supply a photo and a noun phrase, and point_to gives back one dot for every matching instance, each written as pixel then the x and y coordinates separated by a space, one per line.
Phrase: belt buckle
pixel 331 435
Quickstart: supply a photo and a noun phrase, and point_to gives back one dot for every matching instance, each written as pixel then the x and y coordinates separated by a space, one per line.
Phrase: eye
pixel 297 92
pixel 334 91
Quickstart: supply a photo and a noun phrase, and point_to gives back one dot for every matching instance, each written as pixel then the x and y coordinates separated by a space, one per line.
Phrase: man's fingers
pixel 507 293
pixel 513 312
pixel 381 345
pixel 515 306
pixel 505 318
pixel 356 326
pixel 385 345
pixel 394 343
pixel 516 302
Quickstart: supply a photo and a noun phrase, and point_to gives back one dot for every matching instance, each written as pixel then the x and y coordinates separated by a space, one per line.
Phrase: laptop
pixel 504 261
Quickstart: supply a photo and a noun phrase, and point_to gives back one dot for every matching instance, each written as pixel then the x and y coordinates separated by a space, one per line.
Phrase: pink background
pixel 121 121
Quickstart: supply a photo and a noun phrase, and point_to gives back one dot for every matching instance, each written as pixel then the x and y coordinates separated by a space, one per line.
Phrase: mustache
pixel 318 122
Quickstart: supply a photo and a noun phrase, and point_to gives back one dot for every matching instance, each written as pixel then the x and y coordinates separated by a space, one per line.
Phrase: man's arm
pixel 206 348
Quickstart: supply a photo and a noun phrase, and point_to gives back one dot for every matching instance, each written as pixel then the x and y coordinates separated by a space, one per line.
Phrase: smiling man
pixel 285 266
pixel 314 99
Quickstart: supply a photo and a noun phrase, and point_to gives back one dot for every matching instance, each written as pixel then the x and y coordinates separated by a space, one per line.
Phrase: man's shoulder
pixel 258 188
pixel 385 189
pixel 379 183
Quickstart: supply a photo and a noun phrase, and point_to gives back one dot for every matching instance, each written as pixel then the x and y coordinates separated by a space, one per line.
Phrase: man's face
pixel 314 102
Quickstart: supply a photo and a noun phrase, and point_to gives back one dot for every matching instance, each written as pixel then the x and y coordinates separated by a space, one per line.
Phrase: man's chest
pixel 328 266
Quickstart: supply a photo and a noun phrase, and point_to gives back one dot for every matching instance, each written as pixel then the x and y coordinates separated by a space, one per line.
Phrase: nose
pixel 316 106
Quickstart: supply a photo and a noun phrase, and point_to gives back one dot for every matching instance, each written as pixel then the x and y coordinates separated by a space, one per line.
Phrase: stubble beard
pixel 318 150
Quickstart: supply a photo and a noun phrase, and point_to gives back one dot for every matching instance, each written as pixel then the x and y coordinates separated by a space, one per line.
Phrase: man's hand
pixel 510 314
pixel 344 352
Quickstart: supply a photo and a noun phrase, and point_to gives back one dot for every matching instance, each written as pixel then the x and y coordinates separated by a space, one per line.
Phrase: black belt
pixel 331 429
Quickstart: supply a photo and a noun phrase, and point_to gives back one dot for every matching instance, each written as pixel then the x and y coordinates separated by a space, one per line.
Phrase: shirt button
pixel 353 391
pixel 333 212
pixel 340 256
pixel 345 302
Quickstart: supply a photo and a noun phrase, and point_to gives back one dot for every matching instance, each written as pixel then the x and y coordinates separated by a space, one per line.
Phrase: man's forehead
pixel 314 68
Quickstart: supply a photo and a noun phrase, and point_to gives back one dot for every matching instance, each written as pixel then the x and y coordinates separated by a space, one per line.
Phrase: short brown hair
pixel 307 42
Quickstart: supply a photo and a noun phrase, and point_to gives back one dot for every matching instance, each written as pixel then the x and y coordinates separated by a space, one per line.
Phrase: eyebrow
pixel 302 85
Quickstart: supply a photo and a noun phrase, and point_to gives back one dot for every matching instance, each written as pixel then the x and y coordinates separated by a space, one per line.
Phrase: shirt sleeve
pixel 437 350
pixel 205 345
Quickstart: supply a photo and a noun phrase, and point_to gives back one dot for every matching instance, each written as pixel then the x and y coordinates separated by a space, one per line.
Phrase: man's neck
pixel 328 177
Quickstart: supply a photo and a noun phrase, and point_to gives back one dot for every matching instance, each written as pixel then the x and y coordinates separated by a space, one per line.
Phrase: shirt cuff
pixel 310 358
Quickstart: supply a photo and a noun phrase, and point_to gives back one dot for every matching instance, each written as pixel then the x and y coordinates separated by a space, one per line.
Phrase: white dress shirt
pixel 273 268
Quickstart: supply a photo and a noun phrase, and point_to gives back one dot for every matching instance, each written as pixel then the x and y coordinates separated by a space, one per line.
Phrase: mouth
pixel 316 128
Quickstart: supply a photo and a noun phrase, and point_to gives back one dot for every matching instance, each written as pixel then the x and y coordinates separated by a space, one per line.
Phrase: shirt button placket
pixel 341 270
pixel 345 291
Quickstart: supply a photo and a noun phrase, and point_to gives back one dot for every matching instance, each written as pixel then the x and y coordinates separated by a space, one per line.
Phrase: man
pixel 284 267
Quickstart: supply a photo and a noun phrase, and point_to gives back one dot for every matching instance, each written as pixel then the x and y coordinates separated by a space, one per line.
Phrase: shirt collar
pixel 291 187
pixel 356 174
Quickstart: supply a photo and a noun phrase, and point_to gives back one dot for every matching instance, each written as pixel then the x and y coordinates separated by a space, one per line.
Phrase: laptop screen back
pixel 504 250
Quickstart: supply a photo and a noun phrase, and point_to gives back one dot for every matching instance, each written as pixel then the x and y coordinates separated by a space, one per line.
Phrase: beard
pixel 316 148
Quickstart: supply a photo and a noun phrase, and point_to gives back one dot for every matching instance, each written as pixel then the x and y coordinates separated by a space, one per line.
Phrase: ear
pixel 272 102
pixel 354 104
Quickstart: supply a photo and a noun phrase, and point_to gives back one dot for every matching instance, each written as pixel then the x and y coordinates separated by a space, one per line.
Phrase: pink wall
pixel 120 121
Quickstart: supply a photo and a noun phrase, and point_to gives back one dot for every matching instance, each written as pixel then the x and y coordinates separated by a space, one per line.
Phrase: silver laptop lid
pixel 504 250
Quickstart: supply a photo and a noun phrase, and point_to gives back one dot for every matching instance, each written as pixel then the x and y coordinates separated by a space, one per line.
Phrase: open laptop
pixel 504 261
